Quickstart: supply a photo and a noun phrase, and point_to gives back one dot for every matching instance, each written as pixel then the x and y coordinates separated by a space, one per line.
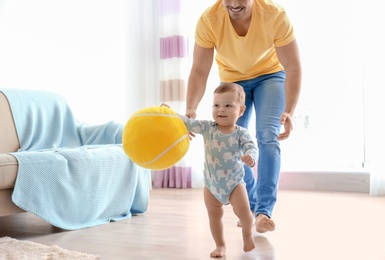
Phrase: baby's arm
pixel 249 149
pixel 193 125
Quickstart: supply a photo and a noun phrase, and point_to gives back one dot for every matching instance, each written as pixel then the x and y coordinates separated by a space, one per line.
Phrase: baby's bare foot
pixel 264 224
pixel 248 243
pixel 218 252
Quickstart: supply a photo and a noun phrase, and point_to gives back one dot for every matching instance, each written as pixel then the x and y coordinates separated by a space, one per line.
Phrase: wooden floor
pixel 310 226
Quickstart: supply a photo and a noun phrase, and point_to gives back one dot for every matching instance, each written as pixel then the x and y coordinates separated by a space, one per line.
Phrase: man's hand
pixel 191 114
pixel 287 123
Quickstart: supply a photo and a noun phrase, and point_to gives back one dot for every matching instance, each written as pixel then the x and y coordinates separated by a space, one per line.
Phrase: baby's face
pixel 227 108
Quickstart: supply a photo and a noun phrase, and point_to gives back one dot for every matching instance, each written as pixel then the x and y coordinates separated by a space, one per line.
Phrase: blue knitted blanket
pixel 44 120
pixel 70 174
pixel 74 188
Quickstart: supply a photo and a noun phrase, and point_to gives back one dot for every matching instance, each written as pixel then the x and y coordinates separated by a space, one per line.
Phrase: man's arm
pixel 196 86
pixel 289 57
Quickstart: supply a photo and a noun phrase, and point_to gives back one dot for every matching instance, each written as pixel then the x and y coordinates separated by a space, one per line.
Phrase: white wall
pixel 80 48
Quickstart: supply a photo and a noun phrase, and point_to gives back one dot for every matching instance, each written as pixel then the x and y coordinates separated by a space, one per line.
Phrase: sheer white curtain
pixel 173 57
pixel 159 50
pixel 175 20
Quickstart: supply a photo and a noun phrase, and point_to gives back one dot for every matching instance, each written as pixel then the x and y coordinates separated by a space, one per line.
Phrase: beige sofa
pixel 8 163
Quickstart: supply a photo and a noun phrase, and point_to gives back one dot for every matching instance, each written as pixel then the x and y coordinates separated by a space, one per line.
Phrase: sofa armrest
pixel 8 136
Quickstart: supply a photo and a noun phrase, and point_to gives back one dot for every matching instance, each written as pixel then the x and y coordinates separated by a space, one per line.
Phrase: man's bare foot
pixel 248 243
pixel 264 223
pixel 218 252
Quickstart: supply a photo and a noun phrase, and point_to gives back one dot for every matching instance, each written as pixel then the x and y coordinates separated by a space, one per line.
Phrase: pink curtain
pixel 172 87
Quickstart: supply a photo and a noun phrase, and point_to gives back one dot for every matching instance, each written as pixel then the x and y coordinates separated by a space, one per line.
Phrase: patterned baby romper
pixel 223 168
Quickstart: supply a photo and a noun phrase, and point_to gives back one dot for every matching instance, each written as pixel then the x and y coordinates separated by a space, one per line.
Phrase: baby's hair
pixel 232 87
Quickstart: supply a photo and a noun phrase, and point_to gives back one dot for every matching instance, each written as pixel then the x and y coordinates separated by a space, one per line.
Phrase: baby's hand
pixel 248 160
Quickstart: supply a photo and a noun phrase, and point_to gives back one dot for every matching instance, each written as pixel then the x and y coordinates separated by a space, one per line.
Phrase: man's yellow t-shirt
pixel 245 57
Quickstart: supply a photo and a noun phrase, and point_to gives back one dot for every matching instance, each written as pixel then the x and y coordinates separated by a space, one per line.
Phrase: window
pixel 329 120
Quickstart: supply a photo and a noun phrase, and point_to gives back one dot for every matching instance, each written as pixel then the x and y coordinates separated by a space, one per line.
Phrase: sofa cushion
pixel 8 171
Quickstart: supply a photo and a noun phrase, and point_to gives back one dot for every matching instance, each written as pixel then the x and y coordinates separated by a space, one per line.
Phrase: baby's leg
pixel 240 203
pixel 215 213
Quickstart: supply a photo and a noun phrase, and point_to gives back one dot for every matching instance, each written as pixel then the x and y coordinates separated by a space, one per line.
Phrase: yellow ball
pixel 155 138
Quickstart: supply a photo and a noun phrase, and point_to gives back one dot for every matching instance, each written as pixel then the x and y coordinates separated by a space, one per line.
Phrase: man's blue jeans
pixel 266 95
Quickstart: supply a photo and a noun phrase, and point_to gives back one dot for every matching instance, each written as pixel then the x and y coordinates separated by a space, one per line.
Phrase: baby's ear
pixel 242 110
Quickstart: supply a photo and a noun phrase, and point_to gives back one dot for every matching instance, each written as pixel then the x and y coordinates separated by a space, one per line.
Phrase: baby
pixel 227 148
